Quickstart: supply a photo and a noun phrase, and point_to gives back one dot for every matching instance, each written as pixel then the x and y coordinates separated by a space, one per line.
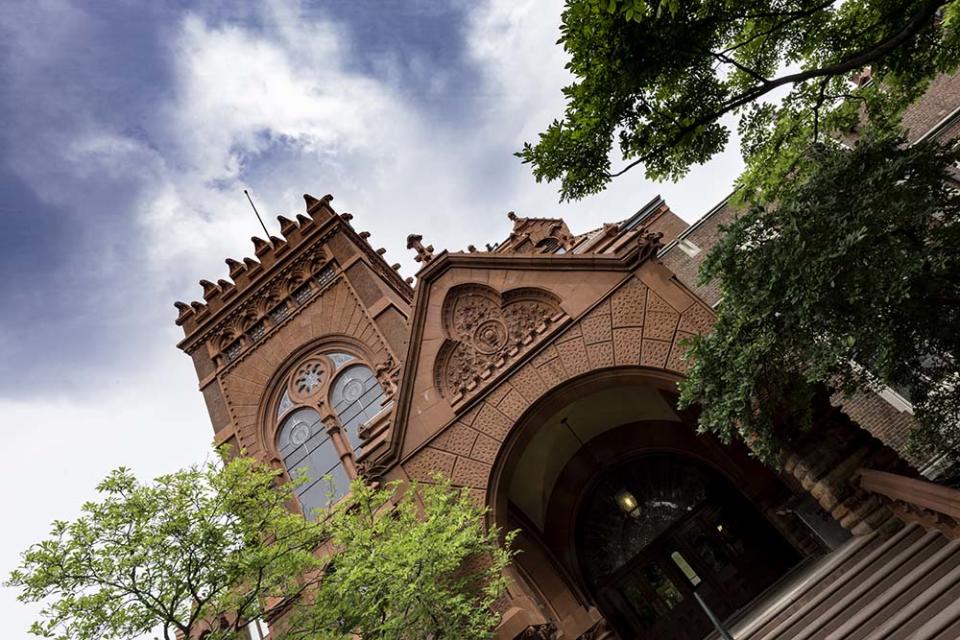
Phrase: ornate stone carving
pixel 388 374
pixel 650 244
pixel 485 330
pixel 424 253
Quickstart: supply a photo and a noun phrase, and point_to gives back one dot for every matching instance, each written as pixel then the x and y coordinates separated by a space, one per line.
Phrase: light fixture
pixel 628 503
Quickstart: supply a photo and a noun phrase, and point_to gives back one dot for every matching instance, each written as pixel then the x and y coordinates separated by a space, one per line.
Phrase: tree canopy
pixel 208 544
pixel 421 565
pixel 850 278
pixel 202 552
pixel 655 77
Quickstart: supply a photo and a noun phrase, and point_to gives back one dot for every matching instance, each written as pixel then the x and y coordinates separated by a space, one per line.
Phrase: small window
pixel 688 247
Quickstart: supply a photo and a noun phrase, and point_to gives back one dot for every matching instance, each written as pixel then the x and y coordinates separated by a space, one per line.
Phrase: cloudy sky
pixel 130 129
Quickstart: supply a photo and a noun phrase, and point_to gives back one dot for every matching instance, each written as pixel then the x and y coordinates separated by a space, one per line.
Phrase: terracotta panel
pixel 660 325
pixel 628 304
pixel 601 354
pixel 573 354
pixel 471 473
pixel 596 326
pixel 458 439
pixel 428 462
pixel 485 449
pixel 626 345
pixel 528 382
pixel 491 422
pixel 552 372
pixel 513 404
pixel 696 319
pixel 676 362
pixel 654 353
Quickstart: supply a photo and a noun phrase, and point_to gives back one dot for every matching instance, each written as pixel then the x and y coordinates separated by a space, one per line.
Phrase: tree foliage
pixel 853 277
pixel 203 551
pixel 209 543
pixel 655 77
pixel 421 565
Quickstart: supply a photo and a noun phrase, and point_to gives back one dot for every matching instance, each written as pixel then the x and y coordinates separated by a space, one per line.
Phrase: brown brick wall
pixel 669 224
pixel 941 99
pixel 705 236
pixel 884 421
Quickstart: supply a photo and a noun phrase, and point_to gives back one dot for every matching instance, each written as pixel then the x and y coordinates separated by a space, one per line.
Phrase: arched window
pixel 323 390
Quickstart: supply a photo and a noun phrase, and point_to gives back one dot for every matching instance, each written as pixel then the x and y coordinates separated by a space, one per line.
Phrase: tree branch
pixel 858 60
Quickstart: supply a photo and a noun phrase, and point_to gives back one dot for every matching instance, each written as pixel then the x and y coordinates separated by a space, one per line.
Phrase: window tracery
pixel 322 405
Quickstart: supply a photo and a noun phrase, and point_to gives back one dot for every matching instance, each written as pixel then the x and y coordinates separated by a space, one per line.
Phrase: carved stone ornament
pixel 485 330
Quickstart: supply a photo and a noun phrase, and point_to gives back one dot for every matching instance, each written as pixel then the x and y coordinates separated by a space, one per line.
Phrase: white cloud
pixel 278 109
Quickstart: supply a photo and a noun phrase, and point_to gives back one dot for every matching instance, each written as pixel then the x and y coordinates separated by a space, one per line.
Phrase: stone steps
pixel 906 587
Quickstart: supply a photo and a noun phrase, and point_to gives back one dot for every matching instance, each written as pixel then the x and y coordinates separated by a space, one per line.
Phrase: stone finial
pixel 512 216
pixel 471 248
pixel 209 289
pixel 424 253
pixel 364 234
pixel 346 217
pixel 287 226
pixel 260 246
pixel 236 267
pixel 491 247
pixel 409 280
pixel 395 266
pixel 381 251
pixel 313 203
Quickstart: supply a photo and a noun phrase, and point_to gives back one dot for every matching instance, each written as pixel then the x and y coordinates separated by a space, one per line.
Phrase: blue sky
pixel 130 130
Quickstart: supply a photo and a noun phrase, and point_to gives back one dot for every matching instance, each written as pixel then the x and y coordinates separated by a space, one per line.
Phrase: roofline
pixel 643 213
pixel 696 225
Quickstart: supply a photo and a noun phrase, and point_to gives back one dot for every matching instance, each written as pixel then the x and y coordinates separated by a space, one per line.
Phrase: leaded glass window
pixel 356 397
pixel 306 448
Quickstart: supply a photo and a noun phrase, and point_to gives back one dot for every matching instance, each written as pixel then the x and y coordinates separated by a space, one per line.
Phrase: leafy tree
pixel 209 543
pixel 410 565
pixel 657 76
pixel 853 277
pixel 201 552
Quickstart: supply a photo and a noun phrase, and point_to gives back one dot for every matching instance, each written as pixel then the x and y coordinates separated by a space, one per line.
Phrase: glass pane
pixel 285 404
pixel 297 454
pixel 316 463
pixel 321 495
pixel 297 429
pixel 660 583
pixel 356 397
pixel 339 359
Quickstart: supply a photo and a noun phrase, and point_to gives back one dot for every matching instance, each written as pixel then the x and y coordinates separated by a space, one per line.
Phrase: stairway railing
pixel 915 500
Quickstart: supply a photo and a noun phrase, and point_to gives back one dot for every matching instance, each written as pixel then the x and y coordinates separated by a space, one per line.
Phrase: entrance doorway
pixel 653 531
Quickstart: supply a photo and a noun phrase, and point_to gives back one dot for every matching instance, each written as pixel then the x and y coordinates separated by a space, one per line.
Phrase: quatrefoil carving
pixel 485 330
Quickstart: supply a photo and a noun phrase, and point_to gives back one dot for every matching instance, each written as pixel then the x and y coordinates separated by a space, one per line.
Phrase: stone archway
pixel 555 452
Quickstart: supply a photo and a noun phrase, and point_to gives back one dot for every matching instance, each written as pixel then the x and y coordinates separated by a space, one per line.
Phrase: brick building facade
pixel 540 375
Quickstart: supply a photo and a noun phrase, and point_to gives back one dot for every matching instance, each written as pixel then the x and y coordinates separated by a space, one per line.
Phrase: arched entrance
pixel 655 530
pixel 606 481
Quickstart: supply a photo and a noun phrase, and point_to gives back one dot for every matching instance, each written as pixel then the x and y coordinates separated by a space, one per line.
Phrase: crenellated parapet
pixel 262 291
